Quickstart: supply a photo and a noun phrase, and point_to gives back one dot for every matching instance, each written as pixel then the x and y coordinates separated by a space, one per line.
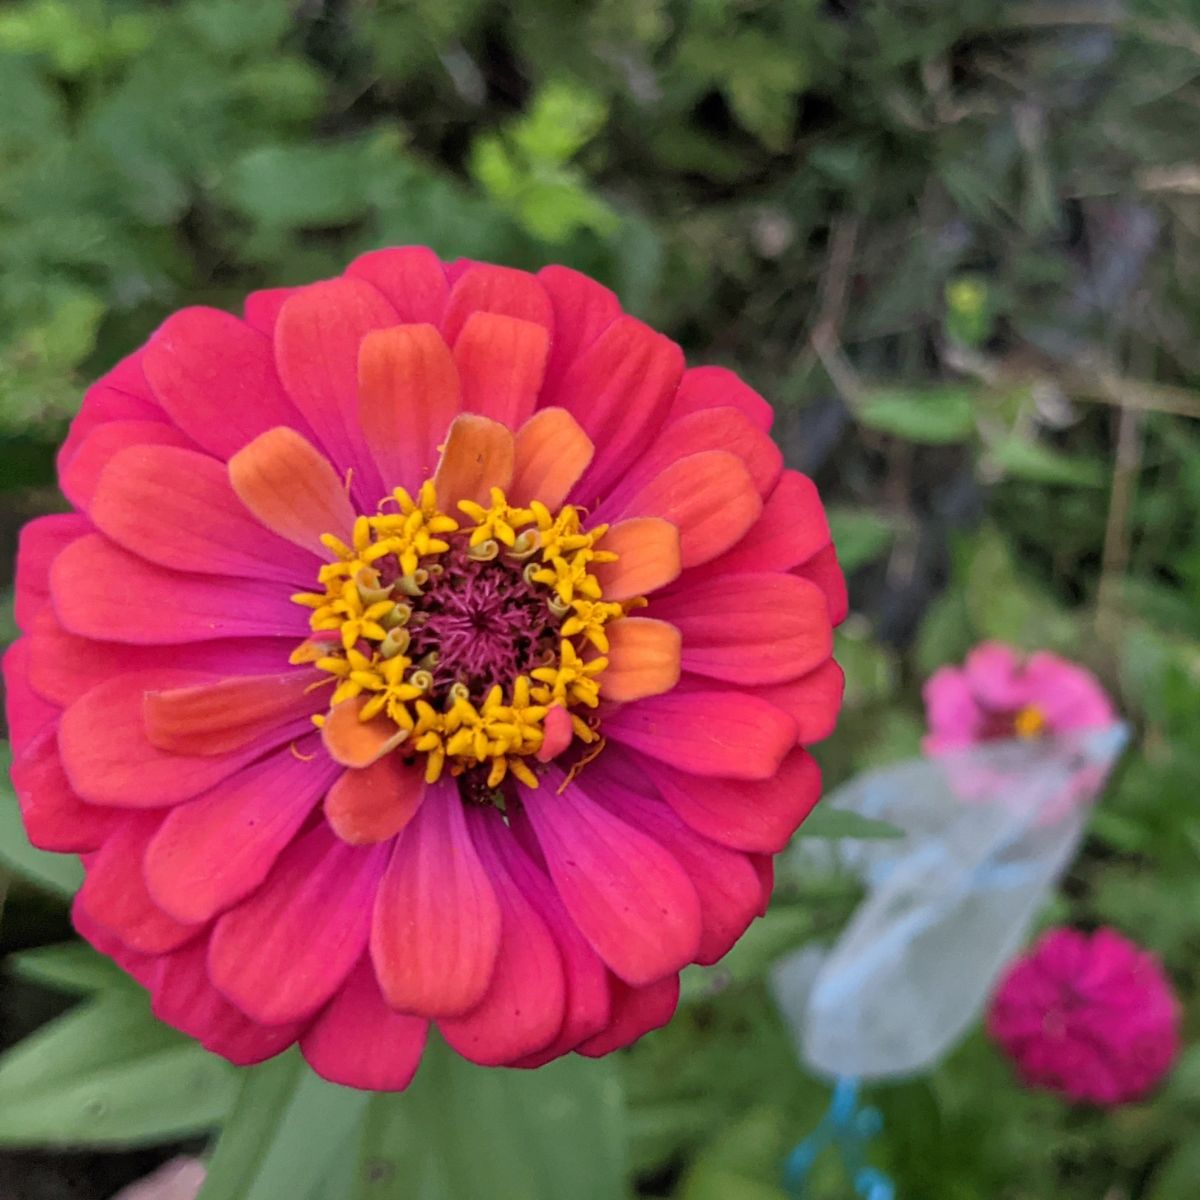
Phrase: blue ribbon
pixel 847 1129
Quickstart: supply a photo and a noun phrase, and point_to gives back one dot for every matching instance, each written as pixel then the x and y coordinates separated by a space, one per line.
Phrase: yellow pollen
pixel 1030 722
pixel 366 613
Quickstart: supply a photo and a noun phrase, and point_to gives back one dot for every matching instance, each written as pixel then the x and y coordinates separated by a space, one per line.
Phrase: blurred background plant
pixel 956 244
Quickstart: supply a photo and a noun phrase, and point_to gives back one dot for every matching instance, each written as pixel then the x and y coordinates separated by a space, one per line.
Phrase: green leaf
pixel 283 1135
pixel 59 873
pixel 69 967
pixel 860 536
pixel 826 822
pixel 107 1073
pixel 463 1131
pixel 935 415
pixel 294 187
pixel 1025 459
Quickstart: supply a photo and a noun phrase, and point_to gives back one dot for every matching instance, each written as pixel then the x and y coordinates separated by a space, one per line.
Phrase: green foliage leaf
pixel 826 822
pixel 69 967
pixel 1022 458
pixel 108 1074
pixel 860 536
pixel 934 414
pixel 462 1130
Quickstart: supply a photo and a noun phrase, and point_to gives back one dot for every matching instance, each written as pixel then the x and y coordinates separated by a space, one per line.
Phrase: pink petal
pixel 145 605
pixel 726 881
pixel 619 390
pixel 996 676
pixel 105 401
pixel 108 759
pixel 790 531
pixel 758 628
pixel 215 376
pixel 812 701
pixel 501 361
pixel 758 816
pixel 213 851
pixel 704 388
pixel 282 953
pixel 411 278
pixel 39 544
pixel 630 898
pixel 522 1010
pixel 583 309
pixel 635 1012
pixel 27 713
pixel 260 310
pixel 115 895
pixel 80 477
pixel 709 497
pixel 436 929
pixel 724 733
pixel 486 288
pixel 216 717
pixel 176 508
pixel 715 429
pixel 359 1042
pixel 408 393
pixel 823 570
pixel 317 341
pixel 54 817
pixel 182 996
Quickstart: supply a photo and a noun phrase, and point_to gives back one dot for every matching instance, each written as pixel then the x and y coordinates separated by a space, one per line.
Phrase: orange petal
pixel 478 456
pixel 552 453
pixel 292 488
pixel 355 743
pixel 217 718
pixel 408 393
pixel 373 804
pixel 643 659
pixel 501 361
pixel 648 550
pixel 558 733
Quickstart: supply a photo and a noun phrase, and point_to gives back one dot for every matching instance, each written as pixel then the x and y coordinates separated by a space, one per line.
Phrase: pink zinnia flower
pixel 998 694
pixel 428 645
pixel 1091 1017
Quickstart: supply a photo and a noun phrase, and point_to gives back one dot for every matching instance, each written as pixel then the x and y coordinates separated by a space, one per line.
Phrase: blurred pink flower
pixel 1091 1017
pixel 998 694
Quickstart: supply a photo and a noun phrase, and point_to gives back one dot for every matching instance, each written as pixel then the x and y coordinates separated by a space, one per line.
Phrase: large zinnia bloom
pixel 1092 1017
pixel 428 645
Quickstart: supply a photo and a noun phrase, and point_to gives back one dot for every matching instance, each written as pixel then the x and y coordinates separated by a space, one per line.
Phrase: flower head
pixel 1091 1017
pixel 428 645
pixel 998 694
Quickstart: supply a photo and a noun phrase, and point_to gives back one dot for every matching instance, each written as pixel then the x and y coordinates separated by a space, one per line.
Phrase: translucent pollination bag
pixel 987 832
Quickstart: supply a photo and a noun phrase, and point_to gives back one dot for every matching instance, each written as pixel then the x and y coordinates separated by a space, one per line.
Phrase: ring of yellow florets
pixel 367 618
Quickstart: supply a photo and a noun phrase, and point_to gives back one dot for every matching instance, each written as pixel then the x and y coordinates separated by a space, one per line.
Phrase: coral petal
pixel 709 497
pixel 359 1042
pixel 812 701
pixel 648 558
pixel 408 393
pixel 354 743
pixel 635 1012
pixel 522 1011
pixel 215 718
pixel 824 570
pixel 292 489
pixel 483 287
pixel 39 544
pixel 282 953
pixel 630 898
pixel 643 659
pixel 80 477
pixel 501 361
pixel 436 929
pixel 551 453
pixel 374 803
pixel 479 455
pixel 722 733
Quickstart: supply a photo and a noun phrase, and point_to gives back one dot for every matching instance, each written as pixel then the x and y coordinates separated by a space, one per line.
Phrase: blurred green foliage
pixel 956 244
